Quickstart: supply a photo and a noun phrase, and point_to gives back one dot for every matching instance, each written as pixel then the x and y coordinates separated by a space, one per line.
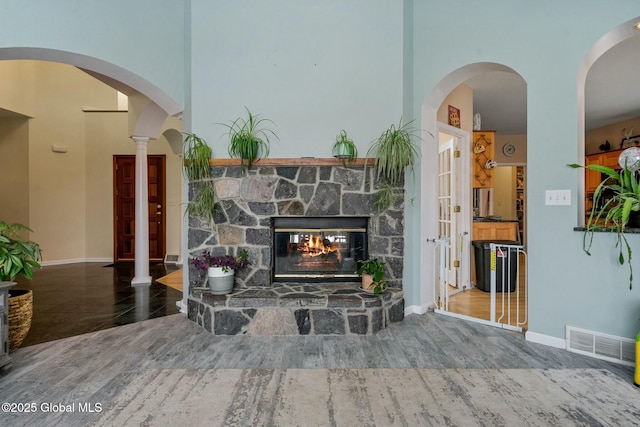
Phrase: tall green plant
pixel 18 256
pixel 392 153
pixel 249 140
pixel 197 170
pixel 623 197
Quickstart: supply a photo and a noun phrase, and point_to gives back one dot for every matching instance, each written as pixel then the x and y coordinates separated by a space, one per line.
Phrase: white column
pixel 141 267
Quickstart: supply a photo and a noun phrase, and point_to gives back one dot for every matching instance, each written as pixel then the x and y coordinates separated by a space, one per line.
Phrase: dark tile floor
pixel 74 299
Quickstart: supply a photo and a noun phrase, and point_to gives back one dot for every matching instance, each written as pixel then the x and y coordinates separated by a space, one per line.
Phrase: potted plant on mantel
pixel 221 269
pixel 372 273
pixel 18 257
pixel 344 149
pixel 622 192
pixel 249 141
pixel 393 152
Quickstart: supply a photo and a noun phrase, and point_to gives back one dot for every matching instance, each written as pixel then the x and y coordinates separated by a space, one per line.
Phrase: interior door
pixel 124 207
pixel 454 205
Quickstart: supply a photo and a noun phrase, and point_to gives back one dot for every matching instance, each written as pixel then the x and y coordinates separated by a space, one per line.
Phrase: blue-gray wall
pixel 545 42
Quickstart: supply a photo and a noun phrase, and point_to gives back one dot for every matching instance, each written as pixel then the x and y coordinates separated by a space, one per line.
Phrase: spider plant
pixel 249 140
pixel 197 170
pixel 344 148
pixel 393 152
pixel 624 190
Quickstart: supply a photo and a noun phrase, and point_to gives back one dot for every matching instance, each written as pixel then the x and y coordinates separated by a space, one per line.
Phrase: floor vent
pixel 601 346
pixel 173 259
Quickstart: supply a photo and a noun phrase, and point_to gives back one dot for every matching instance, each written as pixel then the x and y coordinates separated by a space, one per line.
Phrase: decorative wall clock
pixel 509 149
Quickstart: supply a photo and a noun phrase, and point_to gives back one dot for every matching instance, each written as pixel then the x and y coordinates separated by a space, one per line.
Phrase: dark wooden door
pixel 124 206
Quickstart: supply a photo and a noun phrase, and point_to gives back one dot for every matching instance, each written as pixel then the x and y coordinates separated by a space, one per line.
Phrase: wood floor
pixel 511 307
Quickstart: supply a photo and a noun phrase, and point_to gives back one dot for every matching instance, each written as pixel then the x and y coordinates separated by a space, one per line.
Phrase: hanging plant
pixel 392 153
pixel 197 170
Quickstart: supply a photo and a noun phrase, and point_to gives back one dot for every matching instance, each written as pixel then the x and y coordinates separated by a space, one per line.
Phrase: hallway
pixel 75 299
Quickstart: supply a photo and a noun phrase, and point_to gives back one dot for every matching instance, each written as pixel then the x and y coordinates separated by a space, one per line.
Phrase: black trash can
pixel 506 259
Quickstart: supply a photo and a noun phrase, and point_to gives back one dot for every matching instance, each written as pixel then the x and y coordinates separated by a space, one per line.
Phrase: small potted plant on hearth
pixel 221 269
pixel 372 273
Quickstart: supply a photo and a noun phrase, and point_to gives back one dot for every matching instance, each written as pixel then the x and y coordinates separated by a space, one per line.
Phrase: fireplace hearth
pixel 314 249
pixel 306 223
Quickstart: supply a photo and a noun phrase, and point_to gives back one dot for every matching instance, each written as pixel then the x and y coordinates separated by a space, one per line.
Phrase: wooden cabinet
pixel 593 178
pixel 483 149
pixel 500 230
pixel 4 322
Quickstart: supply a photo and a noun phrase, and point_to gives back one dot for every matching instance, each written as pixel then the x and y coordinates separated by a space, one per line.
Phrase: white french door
pixel 454 221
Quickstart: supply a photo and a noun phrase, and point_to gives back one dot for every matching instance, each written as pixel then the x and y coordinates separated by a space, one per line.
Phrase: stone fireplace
pixel 305 224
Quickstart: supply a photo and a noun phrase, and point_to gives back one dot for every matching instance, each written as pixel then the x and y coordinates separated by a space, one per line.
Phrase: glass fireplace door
pixel 315 249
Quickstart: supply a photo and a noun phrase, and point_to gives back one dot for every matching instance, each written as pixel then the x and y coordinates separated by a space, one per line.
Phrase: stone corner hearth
pixel 296 309
pixel 267 301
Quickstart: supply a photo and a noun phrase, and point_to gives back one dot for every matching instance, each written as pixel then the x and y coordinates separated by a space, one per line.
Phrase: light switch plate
pixel 557 197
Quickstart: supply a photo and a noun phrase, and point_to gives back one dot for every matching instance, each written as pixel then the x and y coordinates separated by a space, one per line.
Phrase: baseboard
pixel 416 309
pixel 75 261
pixel 547 340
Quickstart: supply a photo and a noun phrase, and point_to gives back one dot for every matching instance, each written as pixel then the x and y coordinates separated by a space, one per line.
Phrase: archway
pixel 147 127
pixel 429 170
pixel 606 96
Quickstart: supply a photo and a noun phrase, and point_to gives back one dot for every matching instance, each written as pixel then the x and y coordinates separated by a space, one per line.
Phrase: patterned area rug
pixel 375 397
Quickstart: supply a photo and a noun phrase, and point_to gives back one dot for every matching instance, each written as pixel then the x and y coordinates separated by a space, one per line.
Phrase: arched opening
pixel 608 108
pixel 62 124
pixel 473 89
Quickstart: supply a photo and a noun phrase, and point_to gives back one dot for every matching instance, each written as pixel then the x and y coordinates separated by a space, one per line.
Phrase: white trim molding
pixel 547 340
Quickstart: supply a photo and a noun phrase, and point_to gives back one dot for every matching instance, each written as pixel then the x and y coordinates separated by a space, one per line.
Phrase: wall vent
pixel 173 259
pixel 601 346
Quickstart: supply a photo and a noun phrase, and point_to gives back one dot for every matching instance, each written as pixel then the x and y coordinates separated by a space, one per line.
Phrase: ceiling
pixel 612 93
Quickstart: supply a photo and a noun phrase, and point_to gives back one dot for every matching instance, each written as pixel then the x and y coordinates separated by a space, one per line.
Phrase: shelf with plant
pixel 615 200
pixel 249 139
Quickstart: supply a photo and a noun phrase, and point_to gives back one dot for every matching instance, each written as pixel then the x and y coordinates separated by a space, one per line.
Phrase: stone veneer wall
pixel 246 201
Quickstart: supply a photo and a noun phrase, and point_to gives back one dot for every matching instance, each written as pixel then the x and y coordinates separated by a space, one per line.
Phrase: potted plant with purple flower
pixel 221 269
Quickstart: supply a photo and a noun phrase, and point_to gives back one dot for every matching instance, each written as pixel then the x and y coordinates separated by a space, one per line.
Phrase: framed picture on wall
pixel 454 116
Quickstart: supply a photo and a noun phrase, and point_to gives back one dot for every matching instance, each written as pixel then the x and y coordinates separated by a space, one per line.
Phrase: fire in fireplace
pixel 318 248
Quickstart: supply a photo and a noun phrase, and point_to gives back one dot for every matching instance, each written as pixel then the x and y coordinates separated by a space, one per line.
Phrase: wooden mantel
pixel 294 161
